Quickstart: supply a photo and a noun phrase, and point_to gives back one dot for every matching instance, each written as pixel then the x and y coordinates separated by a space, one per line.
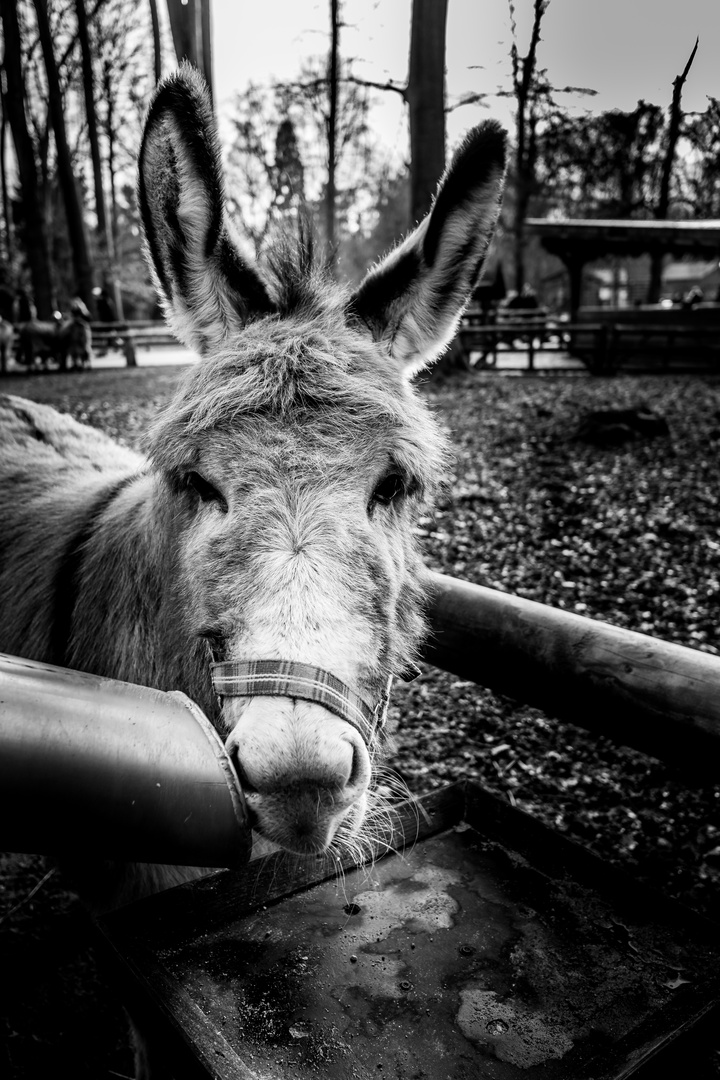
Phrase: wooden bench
pixel 130 336
pixel 647 339
pixel 511 330
pixel 492 945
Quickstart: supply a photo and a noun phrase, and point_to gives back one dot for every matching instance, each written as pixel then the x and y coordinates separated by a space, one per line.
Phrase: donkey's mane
pixel 299 280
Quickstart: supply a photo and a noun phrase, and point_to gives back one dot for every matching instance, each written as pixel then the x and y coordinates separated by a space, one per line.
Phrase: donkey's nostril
pixel 245 782
pixel 359 775
pixel 232 748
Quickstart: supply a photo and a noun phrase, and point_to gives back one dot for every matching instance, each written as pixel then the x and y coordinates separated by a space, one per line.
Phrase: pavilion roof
pixel 588 239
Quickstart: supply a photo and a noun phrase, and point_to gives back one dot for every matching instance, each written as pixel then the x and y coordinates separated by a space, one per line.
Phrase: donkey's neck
pixel 127 617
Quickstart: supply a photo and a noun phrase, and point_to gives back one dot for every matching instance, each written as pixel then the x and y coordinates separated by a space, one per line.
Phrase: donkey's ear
pixel 207 286
pixel 414 298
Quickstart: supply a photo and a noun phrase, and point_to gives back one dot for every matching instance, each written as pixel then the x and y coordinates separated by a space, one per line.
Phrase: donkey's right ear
pixel 209 289
pixel 412 300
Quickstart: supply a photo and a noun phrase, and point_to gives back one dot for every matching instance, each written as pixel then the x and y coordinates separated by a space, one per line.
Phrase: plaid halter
pixel 285 678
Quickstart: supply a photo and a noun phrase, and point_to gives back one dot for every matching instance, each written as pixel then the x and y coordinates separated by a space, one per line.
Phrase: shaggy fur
pixel 273 515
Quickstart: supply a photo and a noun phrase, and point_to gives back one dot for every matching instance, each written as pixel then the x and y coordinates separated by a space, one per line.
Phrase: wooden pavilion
pixel 578 242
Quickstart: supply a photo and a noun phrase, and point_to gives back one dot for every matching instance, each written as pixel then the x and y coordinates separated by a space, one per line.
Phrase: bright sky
pixel 624 49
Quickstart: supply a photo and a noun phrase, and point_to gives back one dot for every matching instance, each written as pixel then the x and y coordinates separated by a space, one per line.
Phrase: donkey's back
pixel 54 473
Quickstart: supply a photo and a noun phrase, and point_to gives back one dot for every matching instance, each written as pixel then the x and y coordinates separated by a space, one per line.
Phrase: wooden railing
pixel 130 336
pixel 515 331
pixel 125 337
pixel 604 347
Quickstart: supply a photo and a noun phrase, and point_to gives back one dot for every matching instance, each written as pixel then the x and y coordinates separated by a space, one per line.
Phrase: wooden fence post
pixel 129 350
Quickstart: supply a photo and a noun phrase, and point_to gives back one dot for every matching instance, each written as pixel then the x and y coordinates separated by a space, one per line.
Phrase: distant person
pixel 529 297
pixel 692 298
pixel 105 306
pixel 79 310
pixel 25 310
pixel 523 300
pixel 7 303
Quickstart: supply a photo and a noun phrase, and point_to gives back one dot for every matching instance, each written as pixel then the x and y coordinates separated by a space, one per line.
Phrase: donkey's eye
pixel 208 492
pixel 390 488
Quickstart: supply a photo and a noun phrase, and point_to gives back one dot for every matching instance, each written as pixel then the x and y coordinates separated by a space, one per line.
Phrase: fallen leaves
pixel 628 533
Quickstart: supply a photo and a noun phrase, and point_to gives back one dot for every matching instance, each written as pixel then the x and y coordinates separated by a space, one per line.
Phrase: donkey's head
pixel 295 459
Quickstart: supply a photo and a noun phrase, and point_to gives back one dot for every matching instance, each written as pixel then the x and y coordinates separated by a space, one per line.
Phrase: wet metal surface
pixel 461 958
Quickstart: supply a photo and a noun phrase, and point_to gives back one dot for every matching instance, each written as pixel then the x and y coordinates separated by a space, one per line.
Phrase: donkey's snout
pixel 302 769
pixel 278 744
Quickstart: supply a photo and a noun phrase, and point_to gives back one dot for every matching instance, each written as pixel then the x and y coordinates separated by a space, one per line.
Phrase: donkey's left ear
pixel 414 298
pixel 209 288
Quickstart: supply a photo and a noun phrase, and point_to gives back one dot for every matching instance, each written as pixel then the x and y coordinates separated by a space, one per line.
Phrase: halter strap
pixel 285 678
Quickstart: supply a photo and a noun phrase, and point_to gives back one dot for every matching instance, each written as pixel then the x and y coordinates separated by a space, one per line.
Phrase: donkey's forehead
pixel 286 384
pixel 322 443
pixel 278 364
pixel 287 370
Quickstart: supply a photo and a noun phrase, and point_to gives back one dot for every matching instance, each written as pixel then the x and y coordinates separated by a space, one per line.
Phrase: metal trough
pixel 490 947
pixel 108 769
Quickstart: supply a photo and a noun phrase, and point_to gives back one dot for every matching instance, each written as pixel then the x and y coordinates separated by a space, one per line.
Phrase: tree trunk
pixel 36 245
pixel 190 26
pixel 206 44
pixel 330 193
pixel 71 199
pixel 7 224
pixel 426 100
pixel 157 51
pixel 184 30
pixel 523 73
pixel 89 89
pixel 91 116
pixel 110 134
pixel 663 203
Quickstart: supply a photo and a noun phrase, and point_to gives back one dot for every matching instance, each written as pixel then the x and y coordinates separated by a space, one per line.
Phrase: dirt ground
pixel 621 526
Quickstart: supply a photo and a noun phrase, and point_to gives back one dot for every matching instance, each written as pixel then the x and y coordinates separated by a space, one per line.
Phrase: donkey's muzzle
pixel 288 679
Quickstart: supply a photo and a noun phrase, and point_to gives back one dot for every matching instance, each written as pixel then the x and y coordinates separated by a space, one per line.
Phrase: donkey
pixel 261 557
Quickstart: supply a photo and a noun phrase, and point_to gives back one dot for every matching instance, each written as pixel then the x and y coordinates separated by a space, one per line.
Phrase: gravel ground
pixel 623 530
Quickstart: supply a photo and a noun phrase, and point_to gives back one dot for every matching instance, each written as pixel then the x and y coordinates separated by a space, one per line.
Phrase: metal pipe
pixel 95 767
pixel 662 698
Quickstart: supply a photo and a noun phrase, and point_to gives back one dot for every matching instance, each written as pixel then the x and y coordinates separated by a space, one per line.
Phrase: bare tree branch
pixel 663 203
pixel 395 87
pixel 523 71
pixel 73 40
pixel 468 99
